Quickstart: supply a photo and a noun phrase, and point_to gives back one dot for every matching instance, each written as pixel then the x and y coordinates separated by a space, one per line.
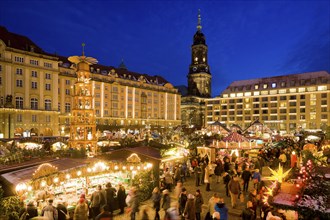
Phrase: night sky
pixel 246 39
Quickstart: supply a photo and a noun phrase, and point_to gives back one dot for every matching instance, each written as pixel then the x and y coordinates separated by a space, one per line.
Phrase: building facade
pixel 282 103
pixel 36 93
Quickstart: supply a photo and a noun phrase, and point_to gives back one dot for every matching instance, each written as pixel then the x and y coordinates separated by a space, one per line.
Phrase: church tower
pixel 199 77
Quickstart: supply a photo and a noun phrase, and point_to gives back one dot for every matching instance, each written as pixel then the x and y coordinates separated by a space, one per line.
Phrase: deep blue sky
pixel 246 39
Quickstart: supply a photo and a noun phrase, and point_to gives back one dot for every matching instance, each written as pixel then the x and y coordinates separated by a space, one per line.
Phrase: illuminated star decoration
pixel 269 192
pixel 278 175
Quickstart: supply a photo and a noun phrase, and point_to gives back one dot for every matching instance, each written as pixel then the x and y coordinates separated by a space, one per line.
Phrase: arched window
pixel 48 104
pixel 19 102
pixel 34 103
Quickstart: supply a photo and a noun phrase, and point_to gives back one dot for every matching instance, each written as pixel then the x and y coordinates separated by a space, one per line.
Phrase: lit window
pixel 19 118
pixel 273 92
pixel 67 107
pixel 19 59
pixel 34 118
pixel 48 104
pixel 34 73
pixel 19 71
pixel 282 91
pixel 256 93
pixel 34 62
pixel 34 103
pixel 47 86
pixel 256 86
pixel 34 85
pixel 48 118
pixel 283 84
pixel 247 94
pixel 293 90
pixel 321 88
pixel 265 86
pixel 273 85
pixel 19 102
pixel 19 83
pixel 301 89
pixel 48 65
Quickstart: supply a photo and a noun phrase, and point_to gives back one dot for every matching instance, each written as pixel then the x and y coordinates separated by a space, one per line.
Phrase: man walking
pixel 234 189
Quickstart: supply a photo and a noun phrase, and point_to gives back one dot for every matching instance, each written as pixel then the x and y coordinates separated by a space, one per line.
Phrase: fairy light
pixel 79 173
pixel 55 180
pixel 116 167
pixel 67 176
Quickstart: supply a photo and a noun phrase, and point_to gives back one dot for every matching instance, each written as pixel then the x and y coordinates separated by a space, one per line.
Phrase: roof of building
pixel 284 81
pixel 19 42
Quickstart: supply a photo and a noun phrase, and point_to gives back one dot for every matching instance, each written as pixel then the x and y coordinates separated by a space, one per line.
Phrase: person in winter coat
pixel 248 213
pixel 234 189
pixel 198 204
pixel 246 176
pixel 182 200
pixel 207 178
pixel 253 199
pixel 166 200
pixel 189 212
pixel 110 194
pixel 62 211
pixel 256 178
pixel 222 209
pixel 156 198
pixel 134 203
pixel 226 165
pixel 97 200
pixel 29 211
pixel 81 210
pixel 211 204
pixel 198 173
pixel 226 180
pixel 50 211
pixel 218 170
pixel 121 197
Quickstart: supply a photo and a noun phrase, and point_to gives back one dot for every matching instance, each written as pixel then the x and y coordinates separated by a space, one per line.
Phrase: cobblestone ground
pixel 191 188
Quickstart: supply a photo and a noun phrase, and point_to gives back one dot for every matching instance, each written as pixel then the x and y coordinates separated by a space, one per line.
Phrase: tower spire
pixel 199 26
pixel 83 49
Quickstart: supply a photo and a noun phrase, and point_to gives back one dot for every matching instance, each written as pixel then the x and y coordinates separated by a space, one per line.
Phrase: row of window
pixel 33 62
pixel 34 85
pixel 272 118
pixel 280 84
pixel 266 111
pixel 34 118
pixel 34 104
pixel 19 71
pixel 266 99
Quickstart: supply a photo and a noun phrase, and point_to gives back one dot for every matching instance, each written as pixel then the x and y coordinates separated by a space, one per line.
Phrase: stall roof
pixel 25 174
pixel 145 151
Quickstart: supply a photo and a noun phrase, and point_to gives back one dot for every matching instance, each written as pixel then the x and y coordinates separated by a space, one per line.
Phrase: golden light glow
pixel 278 175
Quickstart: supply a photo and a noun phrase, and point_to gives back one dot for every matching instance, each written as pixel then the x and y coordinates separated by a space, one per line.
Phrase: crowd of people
pixel 234 173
